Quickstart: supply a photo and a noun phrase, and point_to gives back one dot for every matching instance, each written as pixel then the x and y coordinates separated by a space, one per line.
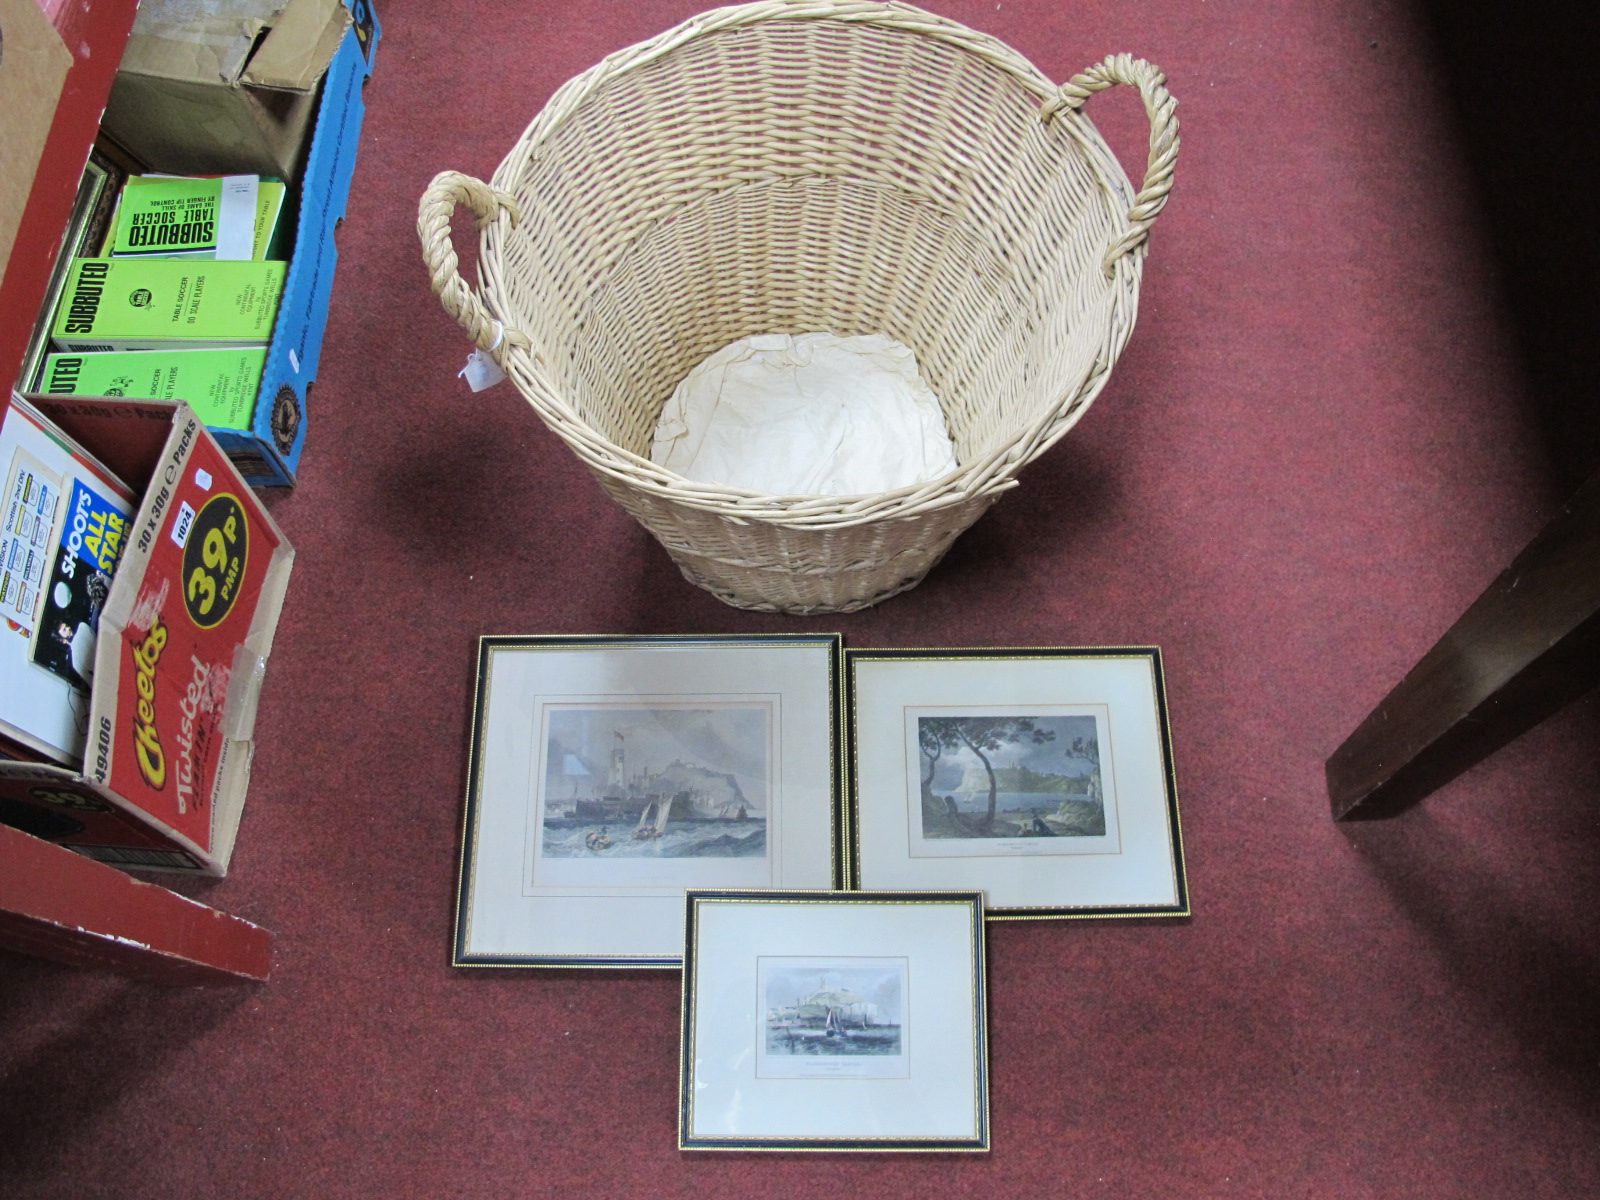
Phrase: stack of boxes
pixel 183 302
pixel 222 96
pixel 169 369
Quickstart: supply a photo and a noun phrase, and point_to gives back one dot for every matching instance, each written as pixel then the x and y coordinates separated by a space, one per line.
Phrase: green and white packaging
pixel 166 304
pixel 220 385
pixel 227 217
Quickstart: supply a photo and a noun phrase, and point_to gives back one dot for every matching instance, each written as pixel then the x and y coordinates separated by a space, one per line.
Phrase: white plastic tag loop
pixel 481 370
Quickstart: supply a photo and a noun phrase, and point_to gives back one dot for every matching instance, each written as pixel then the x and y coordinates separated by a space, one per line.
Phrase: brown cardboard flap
pixel 297 51
pixel 176 40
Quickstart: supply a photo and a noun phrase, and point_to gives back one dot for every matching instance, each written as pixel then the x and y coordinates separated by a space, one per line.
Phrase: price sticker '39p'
pixel 214 559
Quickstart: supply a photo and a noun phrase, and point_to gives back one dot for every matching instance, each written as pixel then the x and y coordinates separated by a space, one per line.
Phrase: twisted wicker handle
pixel 1162 110
pixel 438 204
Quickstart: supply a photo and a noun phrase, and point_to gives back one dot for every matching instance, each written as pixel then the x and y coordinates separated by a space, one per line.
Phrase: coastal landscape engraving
pixel 669 781
pixel 986 776
pixel 835 1016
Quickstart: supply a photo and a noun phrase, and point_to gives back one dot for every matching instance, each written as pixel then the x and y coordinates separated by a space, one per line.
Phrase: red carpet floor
pixel 1360 382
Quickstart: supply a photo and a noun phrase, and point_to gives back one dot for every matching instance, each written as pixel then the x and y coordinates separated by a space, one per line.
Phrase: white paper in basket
pixel 809 415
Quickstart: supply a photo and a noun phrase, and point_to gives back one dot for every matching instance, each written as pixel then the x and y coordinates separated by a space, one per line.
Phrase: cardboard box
pixel 267 447
pixel 224 87
pixel 184 639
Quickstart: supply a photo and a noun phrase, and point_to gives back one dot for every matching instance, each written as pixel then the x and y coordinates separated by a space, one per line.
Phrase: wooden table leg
pixel 59 905
pixel 1524 649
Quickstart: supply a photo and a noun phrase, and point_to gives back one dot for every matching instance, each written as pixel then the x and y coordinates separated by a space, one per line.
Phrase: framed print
pixel 834 1021
pixel 1043 777
pixel 610 774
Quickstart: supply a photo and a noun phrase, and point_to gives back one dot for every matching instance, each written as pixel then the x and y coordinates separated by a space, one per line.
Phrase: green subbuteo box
pixel 220 385
pixel 166 304
pixel 230 217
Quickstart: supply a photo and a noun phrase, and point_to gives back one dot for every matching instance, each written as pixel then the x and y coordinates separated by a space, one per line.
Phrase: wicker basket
pixel 801 165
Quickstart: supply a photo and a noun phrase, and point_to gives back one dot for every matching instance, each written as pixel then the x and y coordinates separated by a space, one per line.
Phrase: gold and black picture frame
pixel 848 1021
pixel 608 775
pixel 1043 777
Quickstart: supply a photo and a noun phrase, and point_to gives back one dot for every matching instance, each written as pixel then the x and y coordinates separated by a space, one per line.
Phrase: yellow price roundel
pixel 214 560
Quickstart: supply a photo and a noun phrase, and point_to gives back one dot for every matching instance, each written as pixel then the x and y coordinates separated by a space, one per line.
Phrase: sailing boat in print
pixel 653 820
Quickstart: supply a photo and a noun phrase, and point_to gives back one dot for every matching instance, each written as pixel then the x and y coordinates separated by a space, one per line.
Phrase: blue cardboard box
pixel 268 453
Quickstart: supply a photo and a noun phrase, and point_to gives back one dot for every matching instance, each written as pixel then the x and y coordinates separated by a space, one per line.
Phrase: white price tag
pixel 236 217
pixel 481 371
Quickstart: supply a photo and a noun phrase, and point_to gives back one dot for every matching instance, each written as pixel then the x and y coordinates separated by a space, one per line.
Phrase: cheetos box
pixel 182 649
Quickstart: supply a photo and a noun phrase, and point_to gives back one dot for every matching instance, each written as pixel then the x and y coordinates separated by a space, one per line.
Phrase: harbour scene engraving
pixel 844 1008
pixel 667 781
